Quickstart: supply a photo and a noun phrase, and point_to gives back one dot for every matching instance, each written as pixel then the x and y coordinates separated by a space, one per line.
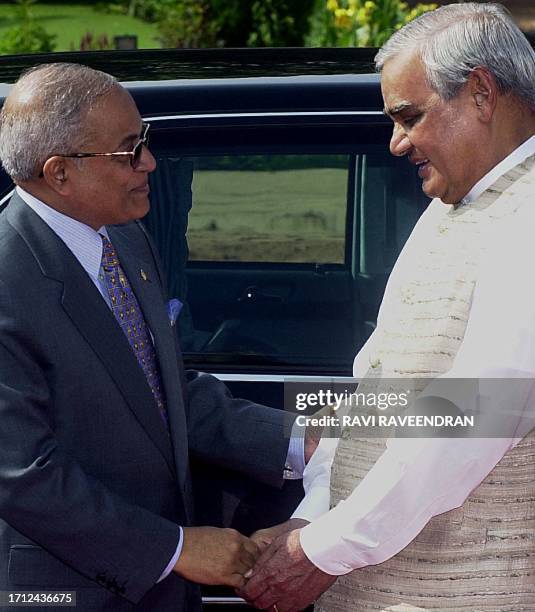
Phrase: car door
pixel 277 233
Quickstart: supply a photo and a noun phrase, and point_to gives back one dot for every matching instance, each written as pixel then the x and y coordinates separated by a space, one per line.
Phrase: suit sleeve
pixel 47 496
pixel 235 433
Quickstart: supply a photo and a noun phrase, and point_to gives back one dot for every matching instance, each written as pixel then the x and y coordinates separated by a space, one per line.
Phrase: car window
pixel 269 208
pixel 280 246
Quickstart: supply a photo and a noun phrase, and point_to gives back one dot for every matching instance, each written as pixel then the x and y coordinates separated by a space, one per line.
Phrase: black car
pixel 278 212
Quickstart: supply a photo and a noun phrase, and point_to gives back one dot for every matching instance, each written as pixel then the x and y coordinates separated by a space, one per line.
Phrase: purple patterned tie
pixel 126 309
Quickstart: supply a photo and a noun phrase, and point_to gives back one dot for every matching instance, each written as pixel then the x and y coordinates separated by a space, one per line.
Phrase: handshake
pixel 269 569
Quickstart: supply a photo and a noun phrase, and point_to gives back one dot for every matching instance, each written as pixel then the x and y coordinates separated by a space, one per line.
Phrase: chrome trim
pixel 224 601
pixel 279 378
pixel 218 83
pixel 273 114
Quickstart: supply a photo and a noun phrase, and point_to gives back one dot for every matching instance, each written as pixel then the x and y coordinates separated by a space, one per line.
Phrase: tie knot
pixel 109 256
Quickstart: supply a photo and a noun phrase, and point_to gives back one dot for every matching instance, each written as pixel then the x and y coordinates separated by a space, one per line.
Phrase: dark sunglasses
pixel 135 153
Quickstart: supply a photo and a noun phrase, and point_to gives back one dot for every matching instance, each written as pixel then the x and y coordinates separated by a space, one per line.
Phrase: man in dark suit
pixel 96 412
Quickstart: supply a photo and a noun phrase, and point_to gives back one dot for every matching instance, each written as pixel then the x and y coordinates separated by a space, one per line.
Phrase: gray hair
pixel 44 114
pixel 454 39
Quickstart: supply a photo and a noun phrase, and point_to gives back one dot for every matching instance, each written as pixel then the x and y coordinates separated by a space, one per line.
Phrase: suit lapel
pixel 94 320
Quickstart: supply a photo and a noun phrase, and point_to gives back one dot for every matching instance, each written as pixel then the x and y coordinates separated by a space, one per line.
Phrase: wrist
pixel 296 523
pixel 181 563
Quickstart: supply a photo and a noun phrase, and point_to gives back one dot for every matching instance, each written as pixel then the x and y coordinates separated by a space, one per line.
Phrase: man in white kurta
pixel 442 523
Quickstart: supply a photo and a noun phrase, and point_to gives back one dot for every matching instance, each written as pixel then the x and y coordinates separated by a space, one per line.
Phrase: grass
pixel 70 23
pixel 281 216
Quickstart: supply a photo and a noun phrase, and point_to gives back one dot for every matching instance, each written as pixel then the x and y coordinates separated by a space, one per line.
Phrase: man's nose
pixel 399 142
pixel 147 163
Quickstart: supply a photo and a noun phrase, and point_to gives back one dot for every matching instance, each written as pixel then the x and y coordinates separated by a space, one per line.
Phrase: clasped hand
pixel 211 555
pixel 216 556
pixel 283 575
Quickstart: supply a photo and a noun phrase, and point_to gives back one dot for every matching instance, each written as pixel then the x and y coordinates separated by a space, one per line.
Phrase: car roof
pixel 164 64
pixel 229 80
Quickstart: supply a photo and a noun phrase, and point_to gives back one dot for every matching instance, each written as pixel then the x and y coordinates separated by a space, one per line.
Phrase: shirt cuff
pixel 295 459
pixel 324 550
pixel 174 558
pixel 314 504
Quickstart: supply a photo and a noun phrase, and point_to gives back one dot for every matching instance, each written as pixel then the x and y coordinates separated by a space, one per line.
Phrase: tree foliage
pixel 272 23
pixel 185 24
pixel 28 36
pixel 224 23
pixel 262 23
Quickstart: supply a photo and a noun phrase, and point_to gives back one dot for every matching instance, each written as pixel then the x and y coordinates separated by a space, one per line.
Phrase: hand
pixel 284 576
pixel 264 537
pixel 216 556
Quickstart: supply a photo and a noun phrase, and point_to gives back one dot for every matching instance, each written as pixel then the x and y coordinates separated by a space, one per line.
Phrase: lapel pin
pixel 143 275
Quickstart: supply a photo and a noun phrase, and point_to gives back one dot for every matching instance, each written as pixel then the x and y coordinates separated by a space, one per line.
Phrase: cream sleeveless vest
pixel 481 556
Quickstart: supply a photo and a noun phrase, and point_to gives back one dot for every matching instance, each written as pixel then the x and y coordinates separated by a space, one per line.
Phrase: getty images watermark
pixel 414 407
pixel 381 402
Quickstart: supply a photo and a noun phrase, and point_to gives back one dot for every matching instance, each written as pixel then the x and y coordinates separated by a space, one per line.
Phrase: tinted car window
pixel 269 208
pixel 291 233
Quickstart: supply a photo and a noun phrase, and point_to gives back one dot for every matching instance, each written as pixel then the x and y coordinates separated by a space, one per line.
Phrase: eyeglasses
pixel 135 153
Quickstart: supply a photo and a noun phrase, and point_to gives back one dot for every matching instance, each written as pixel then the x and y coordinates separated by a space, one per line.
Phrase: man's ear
pixel 56 174
pixel 483 91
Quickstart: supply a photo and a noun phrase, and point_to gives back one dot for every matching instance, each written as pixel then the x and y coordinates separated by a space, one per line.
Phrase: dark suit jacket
pixel 92 488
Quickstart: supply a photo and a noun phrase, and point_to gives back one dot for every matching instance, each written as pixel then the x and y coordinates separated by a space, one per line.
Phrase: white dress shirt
pixel 416 479
pixel 86 245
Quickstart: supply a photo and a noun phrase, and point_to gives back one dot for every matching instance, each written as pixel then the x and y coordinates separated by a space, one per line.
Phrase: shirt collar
pixel 83 241
pixel 525 150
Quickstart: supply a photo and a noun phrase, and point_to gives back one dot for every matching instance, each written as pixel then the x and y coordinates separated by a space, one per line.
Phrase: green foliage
pixel 28 36
pixel 185 24
pixel 369 23
pixel 180 23
pixel 69 24
pixel 279 23
pixel 152 10
pixel 229 23
pixel 273 23
pixel 148 10
pixel 261 23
